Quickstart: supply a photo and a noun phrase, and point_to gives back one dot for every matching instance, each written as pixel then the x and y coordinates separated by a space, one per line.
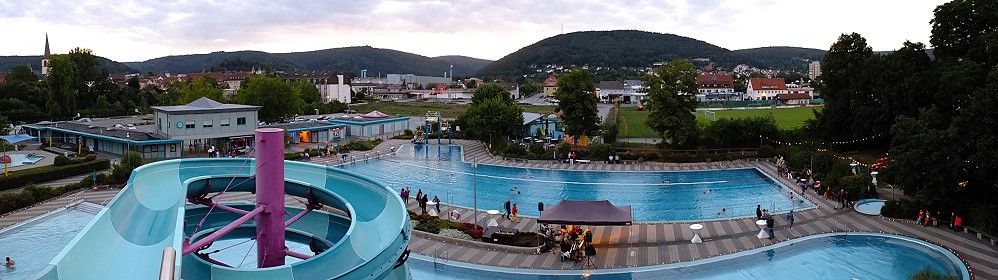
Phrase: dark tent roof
pixel 586 212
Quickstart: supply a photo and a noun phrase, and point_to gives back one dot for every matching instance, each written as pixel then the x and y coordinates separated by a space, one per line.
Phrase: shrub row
pixel 62 160
pixel 25 177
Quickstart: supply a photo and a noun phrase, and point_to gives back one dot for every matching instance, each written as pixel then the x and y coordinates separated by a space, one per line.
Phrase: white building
pixel 765 88
pixel 814 69
pixel 338 91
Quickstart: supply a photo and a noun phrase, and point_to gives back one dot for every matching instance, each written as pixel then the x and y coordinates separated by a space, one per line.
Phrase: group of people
pixel 421 199
pixel 924 218
pixel 764 215
pixel 573 240
pixel 613 159
pixel 512 214
pixel 214 152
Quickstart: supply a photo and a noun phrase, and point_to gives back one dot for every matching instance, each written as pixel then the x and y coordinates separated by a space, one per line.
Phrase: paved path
pixel 651 243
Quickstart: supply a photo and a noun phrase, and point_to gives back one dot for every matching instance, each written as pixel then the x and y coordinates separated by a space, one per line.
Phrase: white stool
pixel 762 229
pixel 433 208
pixel 696 233
pixel 492 218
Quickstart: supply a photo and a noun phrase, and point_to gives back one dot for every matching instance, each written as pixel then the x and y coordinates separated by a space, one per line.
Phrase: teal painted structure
pixel 126 240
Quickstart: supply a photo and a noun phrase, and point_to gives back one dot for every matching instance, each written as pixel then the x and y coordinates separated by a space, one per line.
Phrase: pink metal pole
pixel 270 196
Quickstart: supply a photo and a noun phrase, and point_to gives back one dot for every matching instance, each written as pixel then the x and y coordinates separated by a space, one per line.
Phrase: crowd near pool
pixel 867 256
pixel 653 196
pixel 34 243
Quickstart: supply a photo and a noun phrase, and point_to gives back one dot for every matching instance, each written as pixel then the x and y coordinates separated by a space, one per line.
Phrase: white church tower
pixel 45 58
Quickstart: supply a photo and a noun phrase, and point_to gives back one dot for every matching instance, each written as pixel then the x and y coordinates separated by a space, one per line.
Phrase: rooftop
pixel 206 105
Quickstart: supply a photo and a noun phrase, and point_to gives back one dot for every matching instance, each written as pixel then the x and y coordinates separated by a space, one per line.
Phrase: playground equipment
pixel 135 236
pixel 431 121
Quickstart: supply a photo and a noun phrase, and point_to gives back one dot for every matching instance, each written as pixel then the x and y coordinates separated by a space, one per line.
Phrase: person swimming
pixel 667 182
pixel 708 191
pixel 10 262
pixel 723 210
pixel 515 190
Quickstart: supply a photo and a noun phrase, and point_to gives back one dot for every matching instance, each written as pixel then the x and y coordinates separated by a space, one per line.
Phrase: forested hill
pixel 35 62
pixel 621 48
pixel 349 59
pixel 782 58
pixel 467 64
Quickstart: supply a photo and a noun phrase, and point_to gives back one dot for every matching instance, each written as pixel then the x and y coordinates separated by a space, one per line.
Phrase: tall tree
pixel 278 99
pixel 492 112
pixel 845 78
pixel 21 74
pixel 671 101
pixel 966 29
pixel 85 74
pixel 577 102
pixel 62 95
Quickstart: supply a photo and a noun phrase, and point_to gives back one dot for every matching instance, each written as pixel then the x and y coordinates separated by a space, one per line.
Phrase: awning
pixel 13 139
pixel 375 115
pixel 586 212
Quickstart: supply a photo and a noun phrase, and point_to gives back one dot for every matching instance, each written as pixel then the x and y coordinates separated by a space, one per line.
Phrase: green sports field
pixel 633 121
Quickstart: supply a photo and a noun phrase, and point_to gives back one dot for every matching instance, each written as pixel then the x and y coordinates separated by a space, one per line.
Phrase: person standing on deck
pixel 790 219
pixel 516 214
pixel 758 212
pixel 507 209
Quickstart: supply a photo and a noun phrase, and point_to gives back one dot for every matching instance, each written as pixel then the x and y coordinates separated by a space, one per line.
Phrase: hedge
pixel 26 177
pixel 62 160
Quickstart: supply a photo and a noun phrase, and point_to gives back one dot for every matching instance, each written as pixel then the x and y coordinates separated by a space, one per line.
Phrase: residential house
pixel 550 85
pixel 715 87
pixel 765 88
pixel 793 99
pixel 514 90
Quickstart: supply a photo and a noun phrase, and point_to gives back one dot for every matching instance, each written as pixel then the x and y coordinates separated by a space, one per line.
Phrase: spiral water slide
pixel 365 237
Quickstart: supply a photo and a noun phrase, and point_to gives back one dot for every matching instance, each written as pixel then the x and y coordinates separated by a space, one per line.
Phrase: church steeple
pixel 45 58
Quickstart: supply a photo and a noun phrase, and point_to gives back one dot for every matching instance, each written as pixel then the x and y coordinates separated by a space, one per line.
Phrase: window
pixel 207 123
pixel 189 124
pixel 241 121
pixel 223 122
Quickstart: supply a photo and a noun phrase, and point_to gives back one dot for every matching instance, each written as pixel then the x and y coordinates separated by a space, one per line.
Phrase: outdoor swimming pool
pixel 870 206
pixel 23 159
pixel 36 242
pixel 870 256
pixel 653 196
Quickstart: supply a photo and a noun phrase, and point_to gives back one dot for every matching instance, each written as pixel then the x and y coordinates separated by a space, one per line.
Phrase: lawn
pixel 448 110
pixel 633 121
pixel 786 118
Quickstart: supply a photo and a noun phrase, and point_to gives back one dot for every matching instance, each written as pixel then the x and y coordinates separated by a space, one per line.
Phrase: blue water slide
pixel 367 231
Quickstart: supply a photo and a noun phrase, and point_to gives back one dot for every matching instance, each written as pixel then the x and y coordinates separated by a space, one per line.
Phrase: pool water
pixel 870 206
pixel 23 159
pixel 653 196
pixel 830 256
pixel 33 244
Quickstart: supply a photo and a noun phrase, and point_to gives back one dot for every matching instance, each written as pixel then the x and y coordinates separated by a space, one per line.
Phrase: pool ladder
pixel 439 262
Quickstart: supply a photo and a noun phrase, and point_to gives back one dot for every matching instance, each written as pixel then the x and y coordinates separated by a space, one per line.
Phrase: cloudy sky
pixel 126 30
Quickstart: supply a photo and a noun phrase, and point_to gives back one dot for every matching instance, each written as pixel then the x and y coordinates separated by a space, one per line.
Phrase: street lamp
pixel 874 175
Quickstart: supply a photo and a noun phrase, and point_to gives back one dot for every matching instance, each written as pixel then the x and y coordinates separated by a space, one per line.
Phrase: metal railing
pixel 166 269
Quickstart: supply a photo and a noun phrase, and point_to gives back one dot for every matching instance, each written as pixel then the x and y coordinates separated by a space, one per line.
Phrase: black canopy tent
pixel 586 212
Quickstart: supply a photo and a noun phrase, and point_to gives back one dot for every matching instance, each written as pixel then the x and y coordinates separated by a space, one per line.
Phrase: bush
pixel 600 151
pixel 123 170
pixel 858 186
pixel 453 233
pixel 25 177
pixel 903 209
pixel 537 149
pixel 562 150
pixel 62 160
pixel 475 231
pixel 515 151
pixel 10 201
pixel 363 145
pixel 984 218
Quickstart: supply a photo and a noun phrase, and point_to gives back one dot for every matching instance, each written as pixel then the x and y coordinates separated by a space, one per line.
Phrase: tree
pixel 846 77
pixel 671 101
pixel 85 74
pixel 307 90
pixel 577 102
pixel 4 125
pixel 130 161
pixel 277 98
pixel 193 90
pixel 493 112
pixel 21 74
pixel 963 29
pixel 62 95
